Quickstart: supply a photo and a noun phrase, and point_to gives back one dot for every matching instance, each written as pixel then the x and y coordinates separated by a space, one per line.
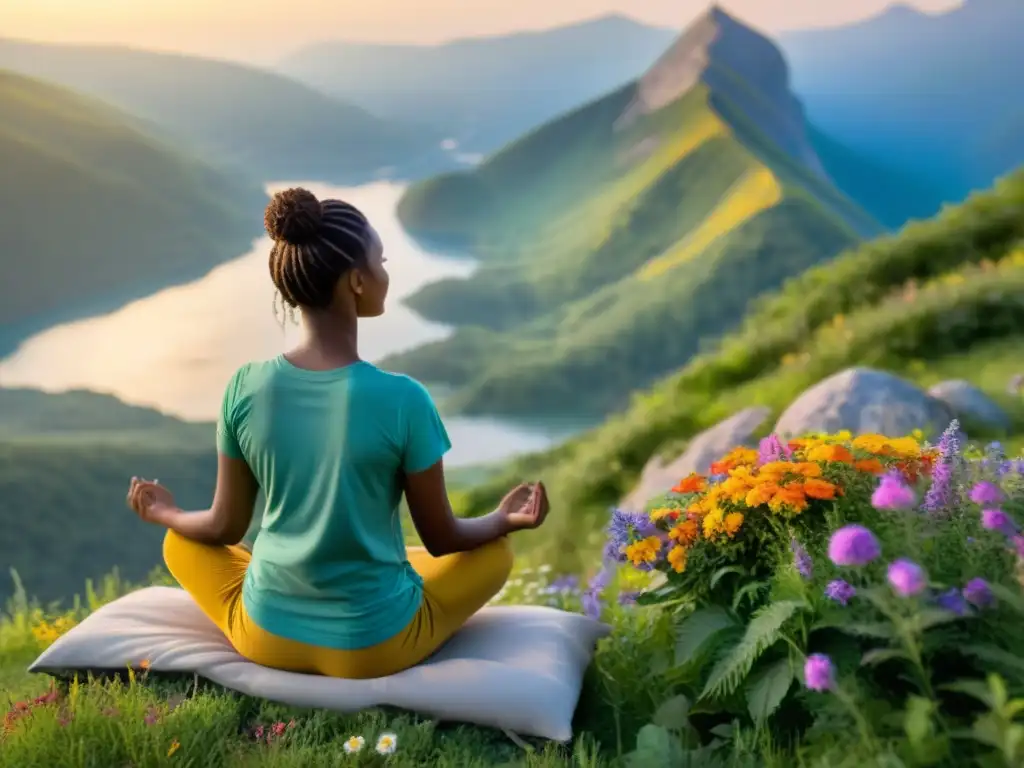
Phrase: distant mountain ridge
pixel 622 236
pixel 935 94
pixel 738 65
pixel 258 122
pixel 484 91
pixel 93 209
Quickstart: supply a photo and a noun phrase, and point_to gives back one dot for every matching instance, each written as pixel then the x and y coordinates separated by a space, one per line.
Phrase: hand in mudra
pixel 150 500
pixel 525 506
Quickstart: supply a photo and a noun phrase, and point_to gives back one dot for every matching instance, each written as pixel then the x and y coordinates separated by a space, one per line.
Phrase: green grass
pixel 94 209
pixel 566 315
pixel 214 727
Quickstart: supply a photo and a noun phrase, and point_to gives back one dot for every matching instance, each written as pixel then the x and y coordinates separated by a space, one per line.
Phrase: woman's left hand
pixel 151 501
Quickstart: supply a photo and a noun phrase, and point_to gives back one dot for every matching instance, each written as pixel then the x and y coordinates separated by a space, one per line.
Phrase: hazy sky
pixel 266 29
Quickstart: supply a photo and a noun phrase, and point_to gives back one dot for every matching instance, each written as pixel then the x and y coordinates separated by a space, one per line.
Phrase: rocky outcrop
pixel 970 404
pixel 742 69
pixel 864 400
pixel 658 477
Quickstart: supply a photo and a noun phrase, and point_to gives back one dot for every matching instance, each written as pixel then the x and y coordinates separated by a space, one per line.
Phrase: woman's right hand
pixel 525 506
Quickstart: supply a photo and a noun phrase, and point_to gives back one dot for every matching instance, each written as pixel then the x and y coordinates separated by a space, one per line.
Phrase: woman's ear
pixel 355 281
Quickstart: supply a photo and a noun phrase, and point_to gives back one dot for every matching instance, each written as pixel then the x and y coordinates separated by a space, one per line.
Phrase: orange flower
pixel 819 489
pixel 832 453
pixel 685 533
pixel 872 466
pixel 692 483
pixel 145 663
pixel 677 557
pixel 790 496
pixel 761 494
pixel 807 469
pixel 733 521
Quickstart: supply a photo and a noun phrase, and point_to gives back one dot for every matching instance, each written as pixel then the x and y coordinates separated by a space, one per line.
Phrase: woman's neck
pixel 327 344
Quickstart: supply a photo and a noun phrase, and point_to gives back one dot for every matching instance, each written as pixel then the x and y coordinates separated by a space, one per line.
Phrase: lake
pixel 176 349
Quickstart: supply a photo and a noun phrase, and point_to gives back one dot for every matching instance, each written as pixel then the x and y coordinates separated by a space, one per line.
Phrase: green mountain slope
pixel 65 464
pixel 267 125
pixel 621 237
pixel 92 208
pixel 942 299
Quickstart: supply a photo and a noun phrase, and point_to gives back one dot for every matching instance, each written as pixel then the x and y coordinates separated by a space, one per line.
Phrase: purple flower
pixel 997 520
pixel 591 597
pixel 802 560
pixel 840 591
pixel 893 493
pixel 772 448
pixel 623 528
pixel 987 494
pixel 628 598
pixel 907 578
pixel 940 495
pixel 977 592
pixel 563 585
pixel 952 601
pixel 853 545
pixel 819 674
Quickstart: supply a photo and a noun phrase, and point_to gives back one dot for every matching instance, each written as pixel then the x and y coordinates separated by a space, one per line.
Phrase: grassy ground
pixel 146 721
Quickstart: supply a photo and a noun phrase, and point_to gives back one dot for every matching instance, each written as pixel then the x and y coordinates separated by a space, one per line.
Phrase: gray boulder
pixel 864 401
pixel 709 446
pixel 971 404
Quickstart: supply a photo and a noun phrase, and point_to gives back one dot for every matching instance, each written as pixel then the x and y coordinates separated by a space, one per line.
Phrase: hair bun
pixel 293 216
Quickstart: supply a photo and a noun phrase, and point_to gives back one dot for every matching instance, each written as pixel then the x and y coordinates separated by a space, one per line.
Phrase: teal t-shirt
pixel 329 565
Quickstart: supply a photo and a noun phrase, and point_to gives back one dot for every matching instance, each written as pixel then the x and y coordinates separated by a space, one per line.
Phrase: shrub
pixel 851 599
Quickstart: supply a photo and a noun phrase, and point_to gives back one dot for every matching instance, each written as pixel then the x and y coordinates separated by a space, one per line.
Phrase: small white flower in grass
pixel 545 569
pixel 387 743
pixel 354 744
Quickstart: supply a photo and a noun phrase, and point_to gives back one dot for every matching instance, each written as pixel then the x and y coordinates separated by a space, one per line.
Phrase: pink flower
pixel 893 493
pixel 987 494
pixel 853 545
pixel 819 674
pixel 907 578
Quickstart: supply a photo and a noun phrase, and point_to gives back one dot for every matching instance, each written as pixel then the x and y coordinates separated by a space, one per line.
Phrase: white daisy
pixel 354 744
pixel 387 743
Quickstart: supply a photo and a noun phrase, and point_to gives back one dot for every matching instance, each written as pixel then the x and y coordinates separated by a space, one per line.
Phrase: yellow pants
pixel 454 588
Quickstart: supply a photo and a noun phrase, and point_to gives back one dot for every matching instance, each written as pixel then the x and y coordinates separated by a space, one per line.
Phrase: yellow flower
pixel 175 746
pixel 712 523
pixel 733 521
pixel 643 551
pixel 735 487
pixel 761 494
pixel 660 513
pixel 832 453
pixel 677 557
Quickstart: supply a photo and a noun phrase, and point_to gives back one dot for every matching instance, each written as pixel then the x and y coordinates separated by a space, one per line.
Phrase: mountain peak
pixel 737 64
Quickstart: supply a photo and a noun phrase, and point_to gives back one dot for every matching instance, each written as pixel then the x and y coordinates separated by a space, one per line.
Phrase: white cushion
pixel 518 668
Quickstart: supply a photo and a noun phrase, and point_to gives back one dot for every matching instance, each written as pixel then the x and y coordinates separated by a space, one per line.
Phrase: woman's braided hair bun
pixel 293 216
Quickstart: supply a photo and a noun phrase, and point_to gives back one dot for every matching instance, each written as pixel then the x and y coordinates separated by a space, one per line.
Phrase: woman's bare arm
pixel 224 523
pixel 442 533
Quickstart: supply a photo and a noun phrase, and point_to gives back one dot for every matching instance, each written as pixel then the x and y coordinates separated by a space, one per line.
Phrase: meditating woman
pixel 333 441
